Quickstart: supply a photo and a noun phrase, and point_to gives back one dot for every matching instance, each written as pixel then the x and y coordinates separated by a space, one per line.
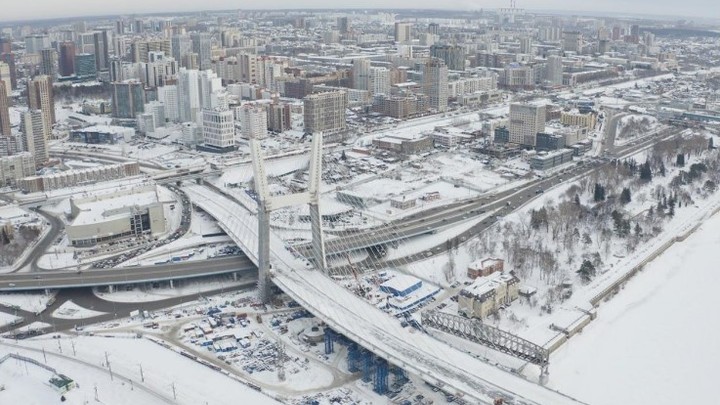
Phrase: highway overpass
pixel 124 275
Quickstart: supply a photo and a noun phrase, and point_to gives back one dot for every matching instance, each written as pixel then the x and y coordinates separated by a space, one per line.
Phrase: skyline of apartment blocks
pixel 218 128
pixel 4 111
pixel 71 178
pixel 16 167
pixel 35 135
pixel 452 55
pixel 41 97
pixel 325 112
pixel 435 83
pixel 525 122
pixel 253 121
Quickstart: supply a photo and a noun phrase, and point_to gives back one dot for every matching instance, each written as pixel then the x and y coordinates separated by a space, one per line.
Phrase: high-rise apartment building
pixel 325 112
pixel 361 74
pixel 5 77
pixel 572 41
pixel 189 96
pixel 435 83
pixel 525 45
pixel 278 117
pixel 36 43
pixel 9 60
pixel 168 95
pixel 4 111
pixel 253 121
pixel 525 122
pixel 140 50
pixel 85 66
pixel 209 84
pixel 218 128
pixel 403 32
pixel 41 97
pixel 47 62
pixel 35 135
pixel 452 55
pixel 554 70
pixel 102 53
pixel 201 45
pixel 128 99
pixel 343 25
pixel 180 46
pixel 379 80
pixel 66 62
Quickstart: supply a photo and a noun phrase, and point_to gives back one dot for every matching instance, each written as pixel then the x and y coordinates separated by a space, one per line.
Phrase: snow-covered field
pixel 71 310
pixel 656 341
pixel 26 301
pixel 162 370
pixel 6 319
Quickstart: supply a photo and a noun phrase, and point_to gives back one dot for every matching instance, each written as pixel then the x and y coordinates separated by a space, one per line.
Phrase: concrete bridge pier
pixel 172 284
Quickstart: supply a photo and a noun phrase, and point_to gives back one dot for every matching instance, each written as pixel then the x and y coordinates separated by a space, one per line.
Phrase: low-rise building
pixel 77 177
pixel 97 134
pixel 403 203
pixel 485 267
pixel 116 215
pixel 487 294
pixel 406 145
pixel 544 161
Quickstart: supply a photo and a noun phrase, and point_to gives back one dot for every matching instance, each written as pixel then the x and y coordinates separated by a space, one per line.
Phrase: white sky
pixel 42 9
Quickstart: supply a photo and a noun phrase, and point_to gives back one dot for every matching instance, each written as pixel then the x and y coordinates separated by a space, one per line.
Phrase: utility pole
pixel 44 355
pixel 142 376
pixel 72 343
pixel 107 362
pixel 59 346
pixel 97 399
pixel 174 392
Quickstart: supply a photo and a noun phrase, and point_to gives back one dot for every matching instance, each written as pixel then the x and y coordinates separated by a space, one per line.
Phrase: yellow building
pixel 484 296
pixel 577 119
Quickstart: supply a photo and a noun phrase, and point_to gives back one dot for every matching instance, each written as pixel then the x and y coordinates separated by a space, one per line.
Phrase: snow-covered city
pixel 494 206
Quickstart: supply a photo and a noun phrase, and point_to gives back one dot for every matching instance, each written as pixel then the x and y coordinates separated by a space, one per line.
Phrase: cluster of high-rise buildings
pixel 197 74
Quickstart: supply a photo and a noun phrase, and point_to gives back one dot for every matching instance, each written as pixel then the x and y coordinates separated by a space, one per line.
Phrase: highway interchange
pixel 484 210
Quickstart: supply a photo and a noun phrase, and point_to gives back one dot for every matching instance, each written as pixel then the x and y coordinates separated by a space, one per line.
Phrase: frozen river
pixel 657 341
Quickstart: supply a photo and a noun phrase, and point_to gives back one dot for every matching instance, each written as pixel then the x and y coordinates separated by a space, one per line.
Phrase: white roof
pixel 95 211
pixel 401 282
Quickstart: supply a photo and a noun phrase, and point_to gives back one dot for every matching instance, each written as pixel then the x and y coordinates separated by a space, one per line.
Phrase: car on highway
pixel 11 285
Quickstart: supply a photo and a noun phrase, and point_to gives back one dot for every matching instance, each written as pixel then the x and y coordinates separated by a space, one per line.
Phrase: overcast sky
pixel 41 9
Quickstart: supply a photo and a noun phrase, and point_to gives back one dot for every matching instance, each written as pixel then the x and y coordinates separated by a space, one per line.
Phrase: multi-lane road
pixel 124 275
